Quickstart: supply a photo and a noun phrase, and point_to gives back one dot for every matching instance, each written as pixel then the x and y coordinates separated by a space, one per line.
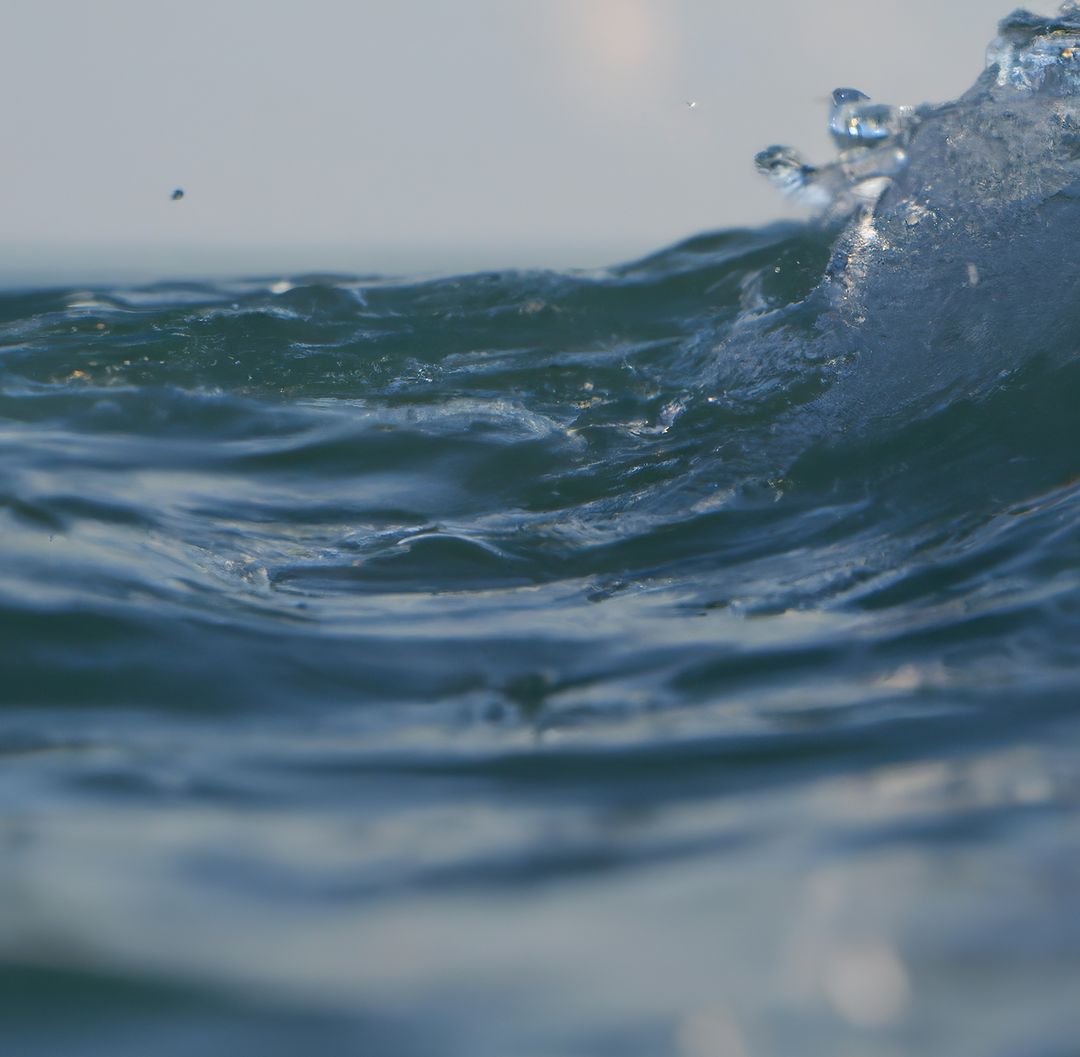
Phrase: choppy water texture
pixel 677 660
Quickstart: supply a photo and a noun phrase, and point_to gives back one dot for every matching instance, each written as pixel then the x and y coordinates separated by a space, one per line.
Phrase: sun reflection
pixel 866 984
pixel 711 1033
pixel 841 953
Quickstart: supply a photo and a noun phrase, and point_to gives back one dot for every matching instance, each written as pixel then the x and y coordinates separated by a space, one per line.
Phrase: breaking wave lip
pixel 960 271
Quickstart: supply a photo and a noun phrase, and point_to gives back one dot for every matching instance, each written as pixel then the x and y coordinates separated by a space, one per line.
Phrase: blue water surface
pixel 679 659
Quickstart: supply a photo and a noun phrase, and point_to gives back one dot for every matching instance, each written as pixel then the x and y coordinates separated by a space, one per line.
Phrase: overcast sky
pixel 394 135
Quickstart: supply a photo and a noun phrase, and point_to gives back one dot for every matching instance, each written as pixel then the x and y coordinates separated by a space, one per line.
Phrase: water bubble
pixel 856 122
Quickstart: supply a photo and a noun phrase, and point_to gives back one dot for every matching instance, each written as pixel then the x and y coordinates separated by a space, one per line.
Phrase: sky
pixel 400 136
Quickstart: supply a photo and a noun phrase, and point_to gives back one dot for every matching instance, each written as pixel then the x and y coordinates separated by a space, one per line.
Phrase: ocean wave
pixel 330 605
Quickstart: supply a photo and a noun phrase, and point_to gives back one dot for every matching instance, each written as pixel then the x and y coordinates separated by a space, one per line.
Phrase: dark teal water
pixel 680 660
pixel 538 664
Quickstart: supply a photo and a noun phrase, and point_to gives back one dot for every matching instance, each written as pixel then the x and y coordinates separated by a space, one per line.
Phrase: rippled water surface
pixel 675 660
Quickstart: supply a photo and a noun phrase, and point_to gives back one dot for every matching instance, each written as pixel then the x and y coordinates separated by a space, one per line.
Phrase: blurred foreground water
pixel 682 659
